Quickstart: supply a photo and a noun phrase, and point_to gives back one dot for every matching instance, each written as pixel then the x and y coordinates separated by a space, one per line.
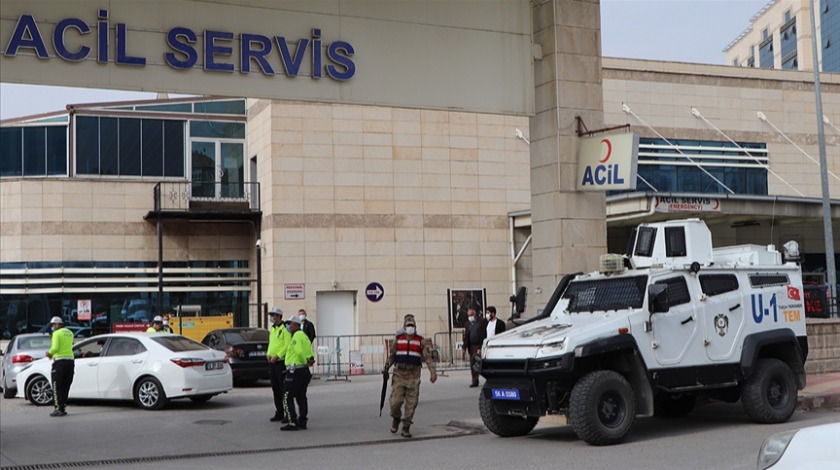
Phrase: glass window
pixel 606 294
pixel 221 107
pixel 109 153
pixel 152 147
pixel 230 130
pixel 34 151
pixel 764 280
pixel 245 336
pixel 11 151
pixel 179 343
pixel 715 284
pixel 170 108
pixel 87 145
pixel 644 245
pixel 173 148
pixel 124 347
pixel 677 290
pixel 129 138
pixel 56 150
pixel 675 241
pixel 92 348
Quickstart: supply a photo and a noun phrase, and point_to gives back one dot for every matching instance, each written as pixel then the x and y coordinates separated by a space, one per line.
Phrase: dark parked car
pixel 246 348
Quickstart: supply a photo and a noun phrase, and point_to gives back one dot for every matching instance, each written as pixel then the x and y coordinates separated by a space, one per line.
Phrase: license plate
pixel 214 365
pixel 256 354
pixel 505 394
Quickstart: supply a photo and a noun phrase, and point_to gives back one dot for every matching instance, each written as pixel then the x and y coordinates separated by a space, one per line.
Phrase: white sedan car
pixel 150 369
pixel 809 448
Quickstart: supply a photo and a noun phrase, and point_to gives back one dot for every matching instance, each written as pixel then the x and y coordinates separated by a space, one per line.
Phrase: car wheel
pixel 503 425
pixel 200 398
pixel 769 394
pixel 673 405
pixel 602 408
pixel 39 391
pixel 149 394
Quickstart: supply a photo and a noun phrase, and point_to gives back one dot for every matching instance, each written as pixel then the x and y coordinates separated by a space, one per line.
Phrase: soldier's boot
pixel 406 429
pixel 395 425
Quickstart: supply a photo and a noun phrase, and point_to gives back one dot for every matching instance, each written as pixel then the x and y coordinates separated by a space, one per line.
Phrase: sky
pixel 671 30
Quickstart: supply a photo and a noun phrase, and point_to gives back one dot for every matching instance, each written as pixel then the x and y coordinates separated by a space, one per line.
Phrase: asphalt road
pixel 346 432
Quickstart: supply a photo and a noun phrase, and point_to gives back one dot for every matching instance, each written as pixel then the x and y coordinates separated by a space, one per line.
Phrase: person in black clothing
pixel 307 326
pixel 474 334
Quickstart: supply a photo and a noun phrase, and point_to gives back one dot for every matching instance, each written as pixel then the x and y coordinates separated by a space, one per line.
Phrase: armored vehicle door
pixel 724 314
pixel 675 331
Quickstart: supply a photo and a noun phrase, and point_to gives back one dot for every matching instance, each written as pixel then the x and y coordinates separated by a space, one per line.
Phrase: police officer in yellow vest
pixel 278 341
pixel 298 360
pixel 157 325
pixel 408 353
pixel 63 368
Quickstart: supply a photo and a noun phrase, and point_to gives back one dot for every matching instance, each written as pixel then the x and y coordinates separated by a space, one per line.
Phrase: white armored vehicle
pixel 652 330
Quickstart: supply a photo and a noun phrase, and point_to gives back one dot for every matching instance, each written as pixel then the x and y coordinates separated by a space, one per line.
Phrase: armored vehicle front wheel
pixel 602 408
pixel 769 394
pixel 503 425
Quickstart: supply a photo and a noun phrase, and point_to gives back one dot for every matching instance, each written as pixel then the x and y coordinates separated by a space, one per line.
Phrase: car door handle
pixel 687 320
pixel 137 361
pixel 93 364
pixel 736 306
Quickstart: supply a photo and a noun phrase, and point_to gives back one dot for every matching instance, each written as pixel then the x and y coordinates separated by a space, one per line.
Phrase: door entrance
pixel 218 169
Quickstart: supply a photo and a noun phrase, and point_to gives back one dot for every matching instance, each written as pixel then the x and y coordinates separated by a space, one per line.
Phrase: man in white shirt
pixel 494 326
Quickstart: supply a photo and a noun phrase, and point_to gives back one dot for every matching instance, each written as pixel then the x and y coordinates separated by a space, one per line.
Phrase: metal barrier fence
pixel 339 357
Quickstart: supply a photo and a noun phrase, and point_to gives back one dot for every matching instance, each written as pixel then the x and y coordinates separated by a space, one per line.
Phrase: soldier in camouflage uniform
pixel 408 352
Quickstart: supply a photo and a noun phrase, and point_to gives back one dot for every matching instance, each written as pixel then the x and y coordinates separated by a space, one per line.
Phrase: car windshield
pixel 244 336
pixel 179 343
pixel 606 294
pixel 34 343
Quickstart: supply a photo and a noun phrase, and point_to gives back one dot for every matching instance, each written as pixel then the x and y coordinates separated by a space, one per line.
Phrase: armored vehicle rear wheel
pixel 769 395
pixel 503 425
pixel 602 408
pixel 673 405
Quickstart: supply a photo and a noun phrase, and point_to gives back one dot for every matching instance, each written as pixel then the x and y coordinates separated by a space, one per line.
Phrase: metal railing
pixel 339 357
pixel 196 195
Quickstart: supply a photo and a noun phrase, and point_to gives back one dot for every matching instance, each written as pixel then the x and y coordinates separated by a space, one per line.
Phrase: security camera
pixel 259 242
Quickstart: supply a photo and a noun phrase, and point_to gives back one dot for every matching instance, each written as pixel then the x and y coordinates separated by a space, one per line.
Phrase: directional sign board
pixel 294 291
pixel 374 292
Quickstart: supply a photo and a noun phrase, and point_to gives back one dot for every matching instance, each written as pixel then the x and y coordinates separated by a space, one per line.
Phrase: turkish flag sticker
pixel 793 293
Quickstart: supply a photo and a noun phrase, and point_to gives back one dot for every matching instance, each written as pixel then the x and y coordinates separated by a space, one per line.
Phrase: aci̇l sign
pixel 608 162
pixel 75 40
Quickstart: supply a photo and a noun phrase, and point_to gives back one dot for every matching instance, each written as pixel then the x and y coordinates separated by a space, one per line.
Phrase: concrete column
pixel 569 227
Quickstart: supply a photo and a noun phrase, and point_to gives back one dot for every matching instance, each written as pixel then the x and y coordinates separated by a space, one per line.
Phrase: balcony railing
pixel 207 197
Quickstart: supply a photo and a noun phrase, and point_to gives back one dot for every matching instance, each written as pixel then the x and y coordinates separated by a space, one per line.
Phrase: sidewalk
pixel 821 391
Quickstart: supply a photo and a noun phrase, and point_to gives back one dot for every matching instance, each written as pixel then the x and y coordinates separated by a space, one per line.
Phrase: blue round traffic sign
pixel 374 292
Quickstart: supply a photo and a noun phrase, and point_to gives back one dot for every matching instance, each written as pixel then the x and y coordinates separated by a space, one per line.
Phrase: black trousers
pixel 473 351
pixel 296 385
pixel 277 374
pixel 62 377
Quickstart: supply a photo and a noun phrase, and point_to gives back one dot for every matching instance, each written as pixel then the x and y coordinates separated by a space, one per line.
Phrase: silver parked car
pixel 22 350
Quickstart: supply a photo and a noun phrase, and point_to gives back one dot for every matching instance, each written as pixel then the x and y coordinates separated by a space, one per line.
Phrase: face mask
pixel 302 317
pixel 410 330
pixel 472 319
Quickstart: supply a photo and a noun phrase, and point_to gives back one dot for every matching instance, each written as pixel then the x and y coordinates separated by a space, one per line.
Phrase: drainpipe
pixel 258 230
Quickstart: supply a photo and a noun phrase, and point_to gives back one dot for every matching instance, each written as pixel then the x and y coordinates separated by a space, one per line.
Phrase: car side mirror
pixel 658 301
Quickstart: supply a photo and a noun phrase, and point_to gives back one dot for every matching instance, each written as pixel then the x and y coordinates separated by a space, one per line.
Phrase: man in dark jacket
pixel 474 333
pixel 494 326
pixel 307 326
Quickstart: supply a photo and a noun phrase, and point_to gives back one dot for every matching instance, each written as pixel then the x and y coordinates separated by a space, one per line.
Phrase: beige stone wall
pixel 50 219
pixel 416 200
pixel 662 95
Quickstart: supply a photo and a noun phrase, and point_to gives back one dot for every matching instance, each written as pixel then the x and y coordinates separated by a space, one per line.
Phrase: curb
pixel 816 402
